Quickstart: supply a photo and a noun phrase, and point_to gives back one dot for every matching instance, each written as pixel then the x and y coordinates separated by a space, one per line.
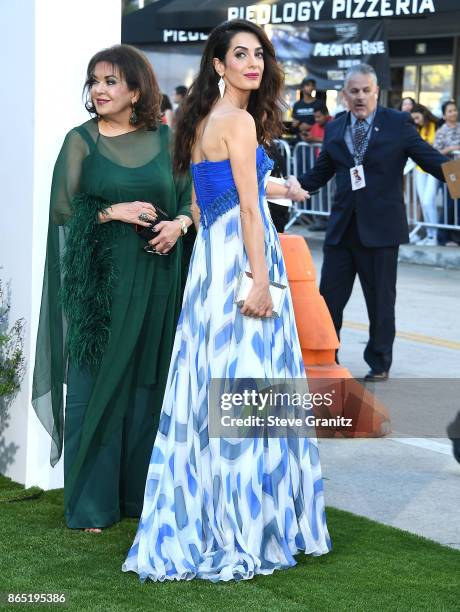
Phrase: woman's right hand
pixel 259 302
pixel 129 212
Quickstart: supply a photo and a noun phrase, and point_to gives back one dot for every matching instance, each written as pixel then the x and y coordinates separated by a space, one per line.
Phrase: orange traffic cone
pixel 319 342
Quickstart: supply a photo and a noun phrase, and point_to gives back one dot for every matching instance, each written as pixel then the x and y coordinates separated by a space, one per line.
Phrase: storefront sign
pixel 317 10
pixel 329 50
pixel 185 36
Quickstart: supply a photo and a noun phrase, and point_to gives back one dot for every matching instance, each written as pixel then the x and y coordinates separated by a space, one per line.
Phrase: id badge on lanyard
pixel 358 180
pixel 357 176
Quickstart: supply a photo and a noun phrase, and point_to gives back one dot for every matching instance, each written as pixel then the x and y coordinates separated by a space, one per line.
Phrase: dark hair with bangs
pixel 265 104
pixel 446 104
pixel 135 69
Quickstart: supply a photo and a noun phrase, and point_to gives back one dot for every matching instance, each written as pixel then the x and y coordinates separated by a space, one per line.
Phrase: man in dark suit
pixel 366 149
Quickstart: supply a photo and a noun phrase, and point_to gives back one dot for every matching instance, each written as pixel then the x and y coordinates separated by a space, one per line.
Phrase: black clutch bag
pixel 147 233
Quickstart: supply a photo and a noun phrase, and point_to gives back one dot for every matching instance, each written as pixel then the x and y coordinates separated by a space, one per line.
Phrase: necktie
pixel 360 139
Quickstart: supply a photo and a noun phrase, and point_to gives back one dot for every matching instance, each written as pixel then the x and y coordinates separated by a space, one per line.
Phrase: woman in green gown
pixel 109 308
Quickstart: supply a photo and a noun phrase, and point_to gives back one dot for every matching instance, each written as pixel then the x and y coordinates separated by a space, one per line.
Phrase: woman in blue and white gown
pixel 229 508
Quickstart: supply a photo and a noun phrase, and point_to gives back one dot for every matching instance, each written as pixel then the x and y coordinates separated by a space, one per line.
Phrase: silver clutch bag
pixel 245 282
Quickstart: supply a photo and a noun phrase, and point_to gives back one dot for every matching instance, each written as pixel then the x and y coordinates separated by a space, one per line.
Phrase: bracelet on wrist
pixel 183 226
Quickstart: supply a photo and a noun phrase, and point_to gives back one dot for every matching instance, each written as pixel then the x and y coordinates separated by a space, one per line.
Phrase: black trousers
pixel 376 269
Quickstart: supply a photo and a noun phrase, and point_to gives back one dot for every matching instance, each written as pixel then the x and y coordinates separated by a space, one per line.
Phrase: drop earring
pixel 221 85
pixel 133 117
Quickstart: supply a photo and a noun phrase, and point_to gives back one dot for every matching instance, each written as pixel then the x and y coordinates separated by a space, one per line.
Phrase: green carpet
pixel 371 567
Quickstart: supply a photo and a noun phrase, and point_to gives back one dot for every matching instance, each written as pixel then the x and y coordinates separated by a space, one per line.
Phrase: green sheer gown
pixel 112 343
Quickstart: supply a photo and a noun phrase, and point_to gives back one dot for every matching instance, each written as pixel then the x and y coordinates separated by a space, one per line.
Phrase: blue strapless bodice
pixel 215 188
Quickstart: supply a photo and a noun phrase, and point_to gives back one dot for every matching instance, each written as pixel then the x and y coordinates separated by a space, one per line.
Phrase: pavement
pixel 406 486
pixel 408 482
pixel 437 256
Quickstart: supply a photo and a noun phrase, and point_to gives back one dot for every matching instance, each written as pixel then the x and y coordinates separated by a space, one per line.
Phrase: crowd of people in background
pixel 444 134
pixel 425 184
pixel 168 111
pixel 447 141
pixel 309 117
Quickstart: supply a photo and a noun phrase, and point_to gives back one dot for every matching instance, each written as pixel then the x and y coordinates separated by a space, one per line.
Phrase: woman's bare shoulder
pixel 219 129
pixel 235 118
pixel 236 125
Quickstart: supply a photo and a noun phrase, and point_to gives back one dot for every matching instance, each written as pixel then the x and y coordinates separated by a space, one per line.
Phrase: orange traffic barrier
pixel 319 342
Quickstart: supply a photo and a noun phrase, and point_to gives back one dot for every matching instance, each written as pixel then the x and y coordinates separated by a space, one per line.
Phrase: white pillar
pixel 44 50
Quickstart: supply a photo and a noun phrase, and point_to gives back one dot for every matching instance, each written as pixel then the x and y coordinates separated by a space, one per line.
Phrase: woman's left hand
pixel 167 234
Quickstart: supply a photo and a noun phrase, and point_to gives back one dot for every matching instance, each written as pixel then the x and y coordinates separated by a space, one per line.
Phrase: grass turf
pixel 13 491
pixel 371 567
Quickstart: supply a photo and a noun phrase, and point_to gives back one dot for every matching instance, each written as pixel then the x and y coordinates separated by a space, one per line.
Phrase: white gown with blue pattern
pixel 223 509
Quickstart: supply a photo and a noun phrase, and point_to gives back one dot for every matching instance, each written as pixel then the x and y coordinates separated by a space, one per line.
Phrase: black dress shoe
pixel 453 432
pixel 373 376
pixel 456 448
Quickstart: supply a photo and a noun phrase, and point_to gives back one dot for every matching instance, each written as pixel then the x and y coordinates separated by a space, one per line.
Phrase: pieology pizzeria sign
pixel 317 10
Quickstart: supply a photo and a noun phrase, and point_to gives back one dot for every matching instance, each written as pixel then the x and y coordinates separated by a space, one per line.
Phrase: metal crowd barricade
pixel 297 160
pixel 284 151
pixel 448 209
pixel 302 157
pixel 320 202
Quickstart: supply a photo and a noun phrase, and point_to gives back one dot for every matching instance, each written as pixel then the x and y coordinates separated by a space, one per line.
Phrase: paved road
pixel 409 483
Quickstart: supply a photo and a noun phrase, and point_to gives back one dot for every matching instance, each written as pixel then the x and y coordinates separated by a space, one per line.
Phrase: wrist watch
pixel 183 226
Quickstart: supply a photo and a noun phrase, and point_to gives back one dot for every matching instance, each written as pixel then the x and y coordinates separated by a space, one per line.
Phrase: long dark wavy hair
pixel 136 70
pixel 265 104
pixel 427 115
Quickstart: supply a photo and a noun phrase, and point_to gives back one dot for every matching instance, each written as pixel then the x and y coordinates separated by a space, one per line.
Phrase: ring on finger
pixel 144 217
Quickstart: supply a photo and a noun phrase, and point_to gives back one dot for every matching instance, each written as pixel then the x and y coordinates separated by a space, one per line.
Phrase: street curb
pixel 439 257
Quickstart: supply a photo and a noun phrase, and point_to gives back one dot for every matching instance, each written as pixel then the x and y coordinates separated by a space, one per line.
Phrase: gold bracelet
pixel 183 226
